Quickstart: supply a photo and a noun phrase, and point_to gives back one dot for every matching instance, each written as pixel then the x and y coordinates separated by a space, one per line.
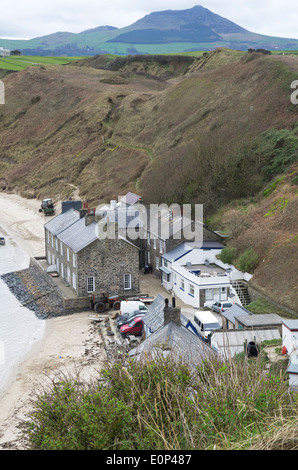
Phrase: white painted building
pixel 290 341
pixel 4 52
pixel 192 272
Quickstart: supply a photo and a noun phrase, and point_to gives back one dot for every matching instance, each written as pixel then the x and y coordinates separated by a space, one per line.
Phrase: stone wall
pixel 108 261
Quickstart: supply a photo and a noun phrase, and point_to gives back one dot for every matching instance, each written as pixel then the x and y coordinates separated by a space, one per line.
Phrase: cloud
pixel 38 18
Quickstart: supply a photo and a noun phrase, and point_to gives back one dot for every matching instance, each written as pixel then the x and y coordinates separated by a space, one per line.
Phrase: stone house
pixel 86 263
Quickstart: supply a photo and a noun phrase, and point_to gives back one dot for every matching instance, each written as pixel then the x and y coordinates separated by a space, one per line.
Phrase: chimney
pixel 90 217
pixel 171 313
pixel 83 212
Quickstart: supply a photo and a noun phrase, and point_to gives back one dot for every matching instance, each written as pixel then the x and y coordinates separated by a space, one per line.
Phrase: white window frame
pixel 191 289
pixel 209 294
pixel 74 281
pixel 182 284
pixel 62 270
pixel 74 260
pixel 67 254
pixel 56 243
pixel 154 243
pixel 90 284
pixel 127 281
pixel 61 248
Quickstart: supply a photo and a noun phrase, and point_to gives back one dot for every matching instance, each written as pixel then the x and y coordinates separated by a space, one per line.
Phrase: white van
pixel 129 306
pixel 206 323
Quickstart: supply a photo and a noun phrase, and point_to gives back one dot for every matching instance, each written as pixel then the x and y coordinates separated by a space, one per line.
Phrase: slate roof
pixel 154 318
pixel 78 235
pixel 235 311
pixel 187 247
pixel 260 319
pixel 176 341
pixel 62 221
pixel 130 198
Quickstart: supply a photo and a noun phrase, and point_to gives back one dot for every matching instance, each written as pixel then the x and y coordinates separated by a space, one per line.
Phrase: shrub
pixel 227 255
pixel 160 404
pixel 248 261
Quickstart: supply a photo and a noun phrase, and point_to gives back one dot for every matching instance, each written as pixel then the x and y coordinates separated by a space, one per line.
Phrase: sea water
pixel 20 329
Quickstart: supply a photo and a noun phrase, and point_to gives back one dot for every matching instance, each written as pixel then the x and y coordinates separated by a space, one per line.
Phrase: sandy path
pixel 23 221
pixel 70 343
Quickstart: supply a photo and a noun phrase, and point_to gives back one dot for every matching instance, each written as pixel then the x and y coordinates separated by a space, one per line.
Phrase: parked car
pixel 220 307
pixel 124 319
pixel 135 327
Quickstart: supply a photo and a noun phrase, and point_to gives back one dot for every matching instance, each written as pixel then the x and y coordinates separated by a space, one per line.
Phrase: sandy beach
pixel 70 344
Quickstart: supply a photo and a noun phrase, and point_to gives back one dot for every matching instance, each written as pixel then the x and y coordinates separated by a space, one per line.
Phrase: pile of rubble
pixel 115 345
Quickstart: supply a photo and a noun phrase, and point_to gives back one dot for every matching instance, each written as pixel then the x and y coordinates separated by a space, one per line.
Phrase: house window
pixel 48 236
pixel 90 284
pixel 61 248
pixel 56 243
pixel 67 253
pixel 74 260
pixel 127 281
pixel 182 284
pixel 74 281
pixel 154 243
pixel 209 294
pixel 62 270
pixel 165 263
pixel 157 262
pixel 68 275
pixel 191 290
pixel 52 240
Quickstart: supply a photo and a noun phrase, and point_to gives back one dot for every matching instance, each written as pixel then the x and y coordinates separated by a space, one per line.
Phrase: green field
pixel 17 63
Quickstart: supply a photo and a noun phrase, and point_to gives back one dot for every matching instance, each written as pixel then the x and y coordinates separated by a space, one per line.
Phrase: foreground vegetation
pixel 163 405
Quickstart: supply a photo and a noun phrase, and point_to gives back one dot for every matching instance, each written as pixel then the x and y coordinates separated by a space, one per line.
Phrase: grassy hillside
pixel 213 129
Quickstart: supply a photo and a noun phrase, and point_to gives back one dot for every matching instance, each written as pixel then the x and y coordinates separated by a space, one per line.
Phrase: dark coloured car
pixel 124 319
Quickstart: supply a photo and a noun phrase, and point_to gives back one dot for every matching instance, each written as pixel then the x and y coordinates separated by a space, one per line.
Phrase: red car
pixel 135 327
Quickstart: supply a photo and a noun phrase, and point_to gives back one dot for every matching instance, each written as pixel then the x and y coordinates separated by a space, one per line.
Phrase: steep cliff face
pixel 219 132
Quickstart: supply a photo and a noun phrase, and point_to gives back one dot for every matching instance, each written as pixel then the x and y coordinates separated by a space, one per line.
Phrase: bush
pixel 227 255
pixel 248 261
pixel 160 405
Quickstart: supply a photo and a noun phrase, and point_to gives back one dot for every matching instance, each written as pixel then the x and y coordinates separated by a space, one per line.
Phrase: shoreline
pixel 69 345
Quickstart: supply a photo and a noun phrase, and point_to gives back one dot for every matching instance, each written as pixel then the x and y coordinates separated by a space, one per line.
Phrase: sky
pixel 33 18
